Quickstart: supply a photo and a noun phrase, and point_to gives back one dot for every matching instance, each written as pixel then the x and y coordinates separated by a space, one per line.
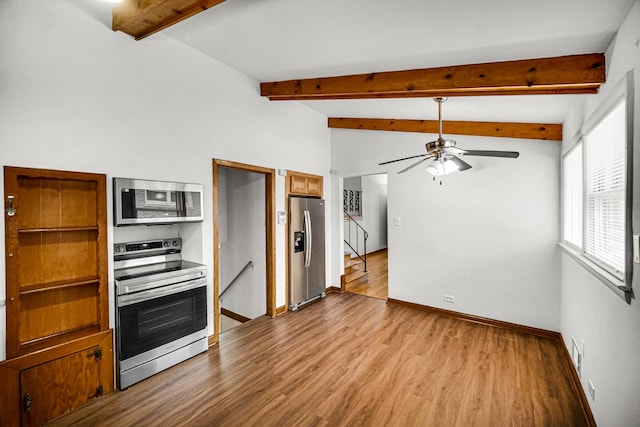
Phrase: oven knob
pixel 166 243
pixel 175 243
pixel 118 249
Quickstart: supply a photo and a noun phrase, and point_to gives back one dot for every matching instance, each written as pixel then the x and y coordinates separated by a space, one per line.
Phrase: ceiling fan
pixel 444 153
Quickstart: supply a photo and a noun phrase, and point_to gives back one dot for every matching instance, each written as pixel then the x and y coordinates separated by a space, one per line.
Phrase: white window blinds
pixel 604 190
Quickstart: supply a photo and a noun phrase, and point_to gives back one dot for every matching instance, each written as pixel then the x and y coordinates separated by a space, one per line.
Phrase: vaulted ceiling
pixel 293 46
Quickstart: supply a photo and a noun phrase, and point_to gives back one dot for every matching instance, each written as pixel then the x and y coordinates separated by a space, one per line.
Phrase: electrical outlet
pixel 449 298
pixel 576 357
pixel 592 390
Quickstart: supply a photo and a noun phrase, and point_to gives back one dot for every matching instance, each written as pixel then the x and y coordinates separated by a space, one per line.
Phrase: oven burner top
pixel 152 269
pixel 139 266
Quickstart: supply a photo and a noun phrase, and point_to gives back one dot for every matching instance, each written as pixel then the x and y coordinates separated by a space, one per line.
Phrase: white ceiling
pixel 272 40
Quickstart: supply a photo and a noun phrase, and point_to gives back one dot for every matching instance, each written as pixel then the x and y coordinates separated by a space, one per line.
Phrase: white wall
pixel 76 96
pixel 243 204
pixel 590 311
pixel 374 209
pixel 487 236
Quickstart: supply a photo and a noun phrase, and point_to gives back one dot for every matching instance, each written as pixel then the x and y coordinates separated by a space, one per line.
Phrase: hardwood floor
pixel 375 283
pixel 349 360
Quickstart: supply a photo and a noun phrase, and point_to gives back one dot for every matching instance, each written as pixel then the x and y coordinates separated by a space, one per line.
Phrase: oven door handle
pixel 124 300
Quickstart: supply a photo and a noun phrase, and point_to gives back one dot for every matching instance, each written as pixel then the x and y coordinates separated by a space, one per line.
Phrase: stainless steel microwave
pixel 138 201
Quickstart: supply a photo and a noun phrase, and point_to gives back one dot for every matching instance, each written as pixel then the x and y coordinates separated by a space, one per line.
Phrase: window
pixel 573 196
pixel 604 192
pixel 596 193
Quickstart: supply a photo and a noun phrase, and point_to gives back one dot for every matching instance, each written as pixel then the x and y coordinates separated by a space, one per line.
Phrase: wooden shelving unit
pixel 57 295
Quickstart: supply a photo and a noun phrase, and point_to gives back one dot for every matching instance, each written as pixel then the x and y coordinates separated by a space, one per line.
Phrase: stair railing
pixel 355 246
pixel 247 265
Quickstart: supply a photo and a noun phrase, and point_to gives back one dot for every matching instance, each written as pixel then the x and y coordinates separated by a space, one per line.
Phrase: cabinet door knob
pixel 10 210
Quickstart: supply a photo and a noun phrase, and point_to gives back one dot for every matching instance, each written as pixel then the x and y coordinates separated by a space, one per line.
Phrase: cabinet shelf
pixel 57 229
pixel 58 339
pixel 61 284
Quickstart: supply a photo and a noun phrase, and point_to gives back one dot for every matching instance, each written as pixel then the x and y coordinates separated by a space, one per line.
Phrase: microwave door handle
pixel 308 240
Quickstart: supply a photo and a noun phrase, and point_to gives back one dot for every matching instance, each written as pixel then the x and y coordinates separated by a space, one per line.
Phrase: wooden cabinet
pixel 39 386
pixel 56 279
pixel 45 396
pixel 304 184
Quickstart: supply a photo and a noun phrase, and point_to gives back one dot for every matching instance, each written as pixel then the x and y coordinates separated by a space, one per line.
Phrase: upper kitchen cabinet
pixel 303 184
pixel 57 293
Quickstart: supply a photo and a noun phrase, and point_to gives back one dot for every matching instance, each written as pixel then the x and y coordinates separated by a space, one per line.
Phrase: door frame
pixel 270 231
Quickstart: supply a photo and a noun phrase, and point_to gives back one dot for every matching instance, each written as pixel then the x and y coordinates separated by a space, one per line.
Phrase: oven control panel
pixel 143 247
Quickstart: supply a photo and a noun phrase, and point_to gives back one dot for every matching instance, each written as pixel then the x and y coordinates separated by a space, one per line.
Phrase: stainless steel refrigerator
pixel 306 251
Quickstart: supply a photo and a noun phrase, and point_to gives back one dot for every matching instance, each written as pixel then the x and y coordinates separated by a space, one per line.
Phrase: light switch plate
pixel 282 217
pixel 636 250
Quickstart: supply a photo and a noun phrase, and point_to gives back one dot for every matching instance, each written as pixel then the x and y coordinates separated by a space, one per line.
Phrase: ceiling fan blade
pixel 399 160
pixel 453 150
pixel 488 153
pixel 414 165
pixel 462 165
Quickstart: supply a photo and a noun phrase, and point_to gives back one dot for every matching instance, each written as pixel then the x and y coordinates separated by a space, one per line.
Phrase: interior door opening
pixel 364 201
pixel 244 255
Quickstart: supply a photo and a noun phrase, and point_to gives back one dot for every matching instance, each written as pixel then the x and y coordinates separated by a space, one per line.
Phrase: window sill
pixel 601 274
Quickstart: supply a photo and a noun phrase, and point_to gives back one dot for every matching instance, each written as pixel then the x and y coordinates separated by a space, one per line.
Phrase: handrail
pixel 365 235
pixel 247 265
pixel 356 223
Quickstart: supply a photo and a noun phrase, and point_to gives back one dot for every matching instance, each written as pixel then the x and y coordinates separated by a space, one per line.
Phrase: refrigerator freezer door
pixel 297 239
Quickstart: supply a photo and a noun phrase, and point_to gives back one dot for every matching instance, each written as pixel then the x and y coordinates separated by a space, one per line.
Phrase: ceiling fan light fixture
pixel 441 167
pixel 445 153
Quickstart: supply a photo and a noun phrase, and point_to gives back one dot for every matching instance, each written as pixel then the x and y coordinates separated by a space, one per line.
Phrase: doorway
pixel 365 212
pixel 244 241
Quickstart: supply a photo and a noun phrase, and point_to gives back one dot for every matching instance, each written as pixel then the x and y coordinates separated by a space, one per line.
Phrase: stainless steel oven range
pixel 161 308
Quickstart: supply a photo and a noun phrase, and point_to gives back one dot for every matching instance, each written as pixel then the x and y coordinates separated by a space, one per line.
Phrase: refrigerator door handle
pixel 307 239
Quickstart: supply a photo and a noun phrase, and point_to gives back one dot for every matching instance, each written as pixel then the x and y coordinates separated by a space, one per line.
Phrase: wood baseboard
pixel 543 333
pixel 281 310
pixel 334 289
pixel 576 384
pixel 480 320
pixel 235 316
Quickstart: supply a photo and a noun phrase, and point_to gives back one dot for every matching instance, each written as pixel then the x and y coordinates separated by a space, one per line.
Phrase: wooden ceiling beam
pixel 141 18
pixel 551 132
pixel 573 74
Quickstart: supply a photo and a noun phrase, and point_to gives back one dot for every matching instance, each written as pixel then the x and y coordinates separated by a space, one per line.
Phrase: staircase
pixel 354 272
pixel 355 256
